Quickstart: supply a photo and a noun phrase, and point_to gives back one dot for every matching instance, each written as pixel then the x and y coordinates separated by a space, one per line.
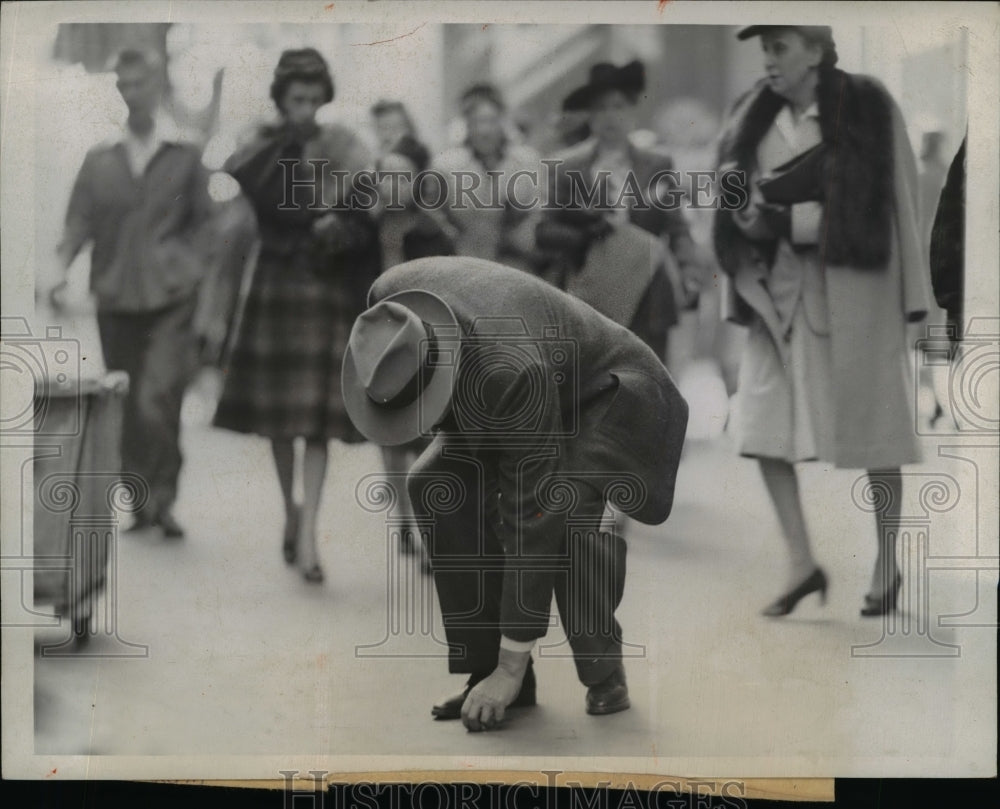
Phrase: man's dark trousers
pixel 469 560
pixel 158 351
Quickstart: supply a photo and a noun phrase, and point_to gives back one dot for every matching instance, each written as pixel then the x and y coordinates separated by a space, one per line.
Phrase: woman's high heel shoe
pixel 784 605
pixel 313 574
pixel 885 603
pixel 290 544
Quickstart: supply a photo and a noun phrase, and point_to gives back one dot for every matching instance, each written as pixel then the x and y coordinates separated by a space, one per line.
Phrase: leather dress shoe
pixel 171 528
pixel 610 696
pixel 451 708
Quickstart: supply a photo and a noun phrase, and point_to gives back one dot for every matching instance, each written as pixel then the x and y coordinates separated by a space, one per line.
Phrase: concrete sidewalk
pixel 246 658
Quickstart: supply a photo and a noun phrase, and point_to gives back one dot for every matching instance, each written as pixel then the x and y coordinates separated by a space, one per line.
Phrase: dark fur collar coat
pixel 855 114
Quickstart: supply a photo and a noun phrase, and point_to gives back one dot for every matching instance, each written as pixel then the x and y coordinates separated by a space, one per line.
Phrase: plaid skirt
pixel 283 377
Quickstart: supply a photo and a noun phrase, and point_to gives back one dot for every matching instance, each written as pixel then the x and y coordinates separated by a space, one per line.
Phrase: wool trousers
pixel 158 351
pixel 453 501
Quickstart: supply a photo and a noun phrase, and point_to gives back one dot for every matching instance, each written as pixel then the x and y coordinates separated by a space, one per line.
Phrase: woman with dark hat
pixel 314 267
pixel 573 225
pixel 826 268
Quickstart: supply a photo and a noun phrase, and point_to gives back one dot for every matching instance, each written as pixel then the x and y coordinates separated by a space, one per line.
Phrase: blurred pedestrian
pixel 406 231
pixel 529 426
pixel 687 130
pixel 492 212
pixel 392 123
pixel 314 266
pixel 947 249
pixel 624 177
pixel 932 376
pixel 947 257
pixel 142 201
pixel 827 268
pixel 933 172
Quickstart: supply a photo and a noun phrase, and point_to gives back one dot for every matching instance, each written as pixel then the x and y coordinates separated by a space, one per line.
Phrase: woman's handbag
pixel 798 180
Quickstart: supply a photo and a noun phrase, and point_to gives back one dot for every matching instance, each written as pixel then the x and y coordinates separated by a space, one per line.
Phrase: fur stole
pixel 856 121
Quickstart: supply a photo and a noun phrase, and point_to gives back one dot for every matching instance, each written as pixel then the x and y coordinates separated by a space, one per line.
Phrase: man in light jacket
pixel 142 201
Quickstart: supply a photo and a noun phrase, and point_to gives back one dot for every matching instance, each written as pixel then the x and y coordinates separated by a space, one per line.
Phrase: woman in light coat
pixel 826 284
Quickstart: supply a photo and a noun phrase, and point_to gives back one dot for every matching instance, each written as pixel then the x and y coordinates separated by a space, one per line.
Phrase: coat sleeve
pixel 445 165
pixel 79 227
pixel 675 227
pixel 203 210
pixel 524 197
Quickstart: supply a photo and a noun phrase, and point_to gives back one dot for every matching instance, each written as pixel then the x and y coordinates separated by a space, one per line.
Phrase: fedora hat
pixel 399 367
pixel 629 79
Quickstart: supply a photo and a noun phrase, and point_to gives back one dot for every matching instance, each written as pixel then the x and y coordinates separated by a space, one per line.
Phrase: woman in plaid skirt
pixel 310 282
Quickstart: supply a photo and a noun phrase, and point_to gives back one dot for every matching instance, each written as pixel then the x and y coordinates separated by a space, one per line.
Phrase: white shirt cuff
pixel 521 646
